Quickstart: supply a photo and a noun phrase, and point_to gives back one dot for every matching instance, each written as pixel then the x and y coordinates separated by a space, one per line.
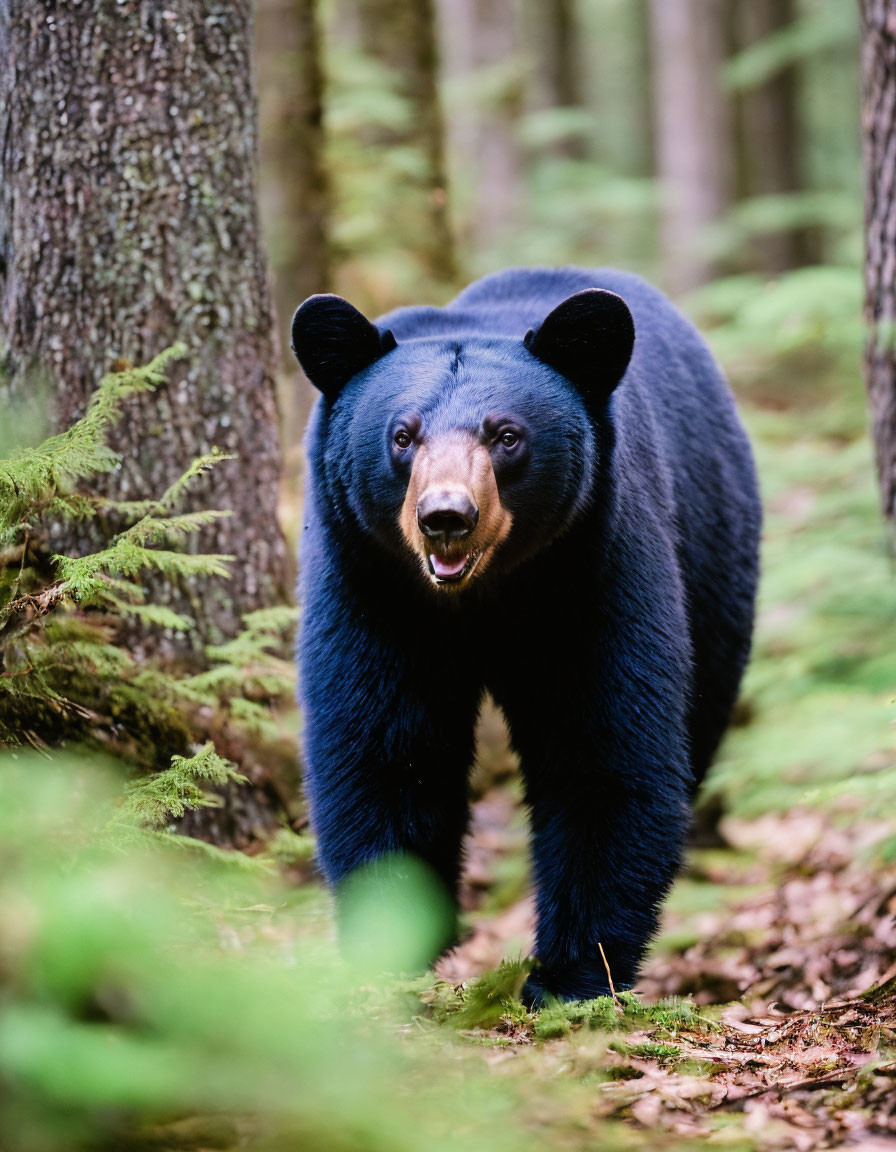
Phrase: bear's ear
pixel 333 342
pixel 588 339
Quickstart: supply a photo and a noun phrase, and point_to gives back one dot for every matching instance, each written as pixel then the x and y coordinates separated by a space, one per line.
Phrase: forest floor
pixel 771 945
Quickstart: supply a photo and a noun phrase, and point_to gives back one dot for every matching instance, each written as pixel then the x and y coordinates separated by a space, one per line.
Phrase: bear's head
pixel 466 453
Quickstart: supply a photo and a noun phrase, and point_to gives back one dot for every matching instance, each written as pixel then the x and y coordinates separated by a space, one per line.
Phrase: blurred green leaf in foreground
pixel 151 997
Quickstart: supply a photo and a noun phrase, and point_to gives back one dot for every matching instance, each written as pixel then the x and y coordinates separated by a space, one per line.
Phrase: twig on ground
pixel 617 1003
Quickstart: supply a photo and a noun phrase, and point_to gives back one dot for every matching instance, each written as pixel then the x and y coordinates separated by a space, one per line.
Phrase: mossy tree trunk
pixel 879 135
pixel 128 220
pixel 401 34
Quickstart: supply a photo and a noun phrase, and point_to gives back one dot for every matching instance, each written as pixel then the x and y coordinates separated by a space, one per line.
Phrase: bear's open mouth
pixel 451 571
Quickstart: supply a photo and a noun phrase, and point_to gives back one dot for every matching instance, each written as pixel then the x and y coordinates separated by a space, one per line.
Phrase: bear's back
pixel 506 304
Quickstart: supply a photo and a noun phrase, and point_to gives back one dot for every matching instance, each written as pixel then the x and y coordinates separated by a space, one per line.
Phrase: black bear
pixel 542 490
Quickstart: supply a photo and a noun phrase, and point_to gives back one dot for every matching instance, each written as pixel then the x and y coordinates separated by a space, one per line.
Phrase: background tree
pixel 879 133
pixel 768 130
pixel 561 61
pixel 482 51
pixel 558 36
pixel 128 220
pixel 296 196
pixel 295 185
pixel 692 131
pixel 401 34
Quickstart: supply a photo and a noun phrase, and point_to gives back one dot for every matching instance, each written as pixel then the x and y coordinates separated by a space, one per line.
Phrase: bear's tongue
pixel 445 568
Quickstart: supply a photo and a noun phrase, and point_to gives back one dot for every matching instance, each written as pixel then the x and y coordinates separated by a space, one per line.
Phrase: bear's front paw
pixel 564 982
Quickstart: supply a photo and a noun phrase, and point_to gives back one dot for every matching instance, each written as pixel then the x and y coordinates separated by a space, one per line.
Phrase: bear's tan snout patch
pixel 452 516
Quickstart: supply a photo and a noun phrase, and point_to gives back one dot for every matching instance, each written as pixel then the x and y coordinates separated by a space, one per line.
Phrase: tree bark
pixel 692 131
pixel 128 220
pixel 879 139
pixel 401 34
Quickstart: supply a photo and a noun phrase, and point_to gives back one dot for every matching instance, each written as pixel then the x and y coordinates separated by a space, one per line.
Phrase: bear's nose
pixel 450 515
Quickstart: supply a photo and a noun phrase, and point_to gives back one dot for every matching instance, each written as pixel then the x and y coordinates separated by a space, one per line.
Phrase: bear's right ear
pixel 333 342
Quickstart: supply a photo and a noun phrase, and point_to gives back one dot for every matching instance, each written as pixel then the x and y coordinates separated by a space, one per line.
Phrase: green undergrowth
pixel 70 672
pixel 155 999
pixel 819 691
pixel 627 1012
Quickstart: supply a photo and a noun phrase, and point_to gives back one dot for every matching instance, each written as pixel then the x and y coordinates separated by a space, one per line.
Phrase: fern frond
pixel 156 529
pixel 83 575
pixel 165 796
pixel 200 467
pixel 159 615
pixel 33 479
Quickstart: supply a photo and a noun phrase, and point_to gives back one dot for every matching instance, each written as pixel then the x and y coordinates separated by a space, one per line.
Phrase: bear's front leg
pixel 605 851
pixel 603 747
pixel 388 738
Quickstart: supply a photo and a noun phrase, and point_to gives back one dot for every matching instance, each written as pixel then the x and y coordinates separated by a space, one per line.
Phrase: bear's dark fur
pixel 546 493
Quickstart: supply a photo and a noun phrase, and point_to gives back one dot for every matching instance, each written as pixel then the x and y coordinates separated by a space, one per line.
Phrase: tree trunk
pixel 770 139
pixel 879 136
pixel 401 34
pixel 482 37
pixel 556 38
pixel 128 220
pixel 295 195
pixel 560 53
pixel 291 96
pixel 692 131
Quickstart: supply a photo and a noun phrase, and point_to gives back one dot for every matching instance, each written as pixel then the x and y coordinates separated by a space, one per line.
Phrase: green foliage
pixel 495 998
pixel 648 1049
pixel 820 685
pixel 66 675
pixel 394 915
pixel 604 1014
pixel 730 241
pixel 828 25
pixel 480 1003
pixel 580 211
pixel 37 481
pixel 150 998
pixel 164 796
pixel 379 229
pixel 792 342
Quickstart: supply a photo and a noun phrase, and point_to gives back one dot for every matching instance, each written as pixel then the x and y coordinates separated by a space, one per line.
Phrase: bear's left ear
pixel 588 339
pixel 333 341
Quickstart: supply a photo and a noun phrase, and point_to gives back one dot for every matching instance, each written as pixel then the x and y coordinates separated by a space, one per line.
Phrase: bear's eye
pixel 402 439
pixel 509 439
